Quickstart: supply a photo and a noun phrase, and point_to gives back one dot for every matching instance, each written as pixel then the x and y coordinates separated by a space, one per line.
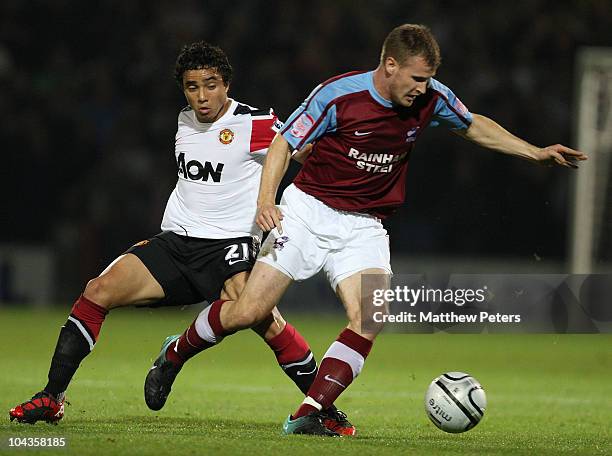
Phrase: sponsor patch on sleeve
pixel 302 125
pixel 459 106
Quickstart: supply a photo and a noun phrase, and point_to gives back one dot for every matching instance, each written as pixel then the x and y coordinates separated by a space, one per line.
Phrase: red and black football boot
pixel 336 421
pixel 42 407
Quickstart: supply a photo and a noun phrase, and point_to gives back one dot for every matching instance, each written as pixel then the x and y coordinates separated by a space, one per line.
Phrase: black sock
pixel 302 372
pixel 70 350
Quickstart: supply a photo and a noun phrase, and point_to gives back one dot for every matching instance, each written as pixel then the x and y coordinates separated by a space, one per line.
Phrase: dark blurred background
pixel 88 107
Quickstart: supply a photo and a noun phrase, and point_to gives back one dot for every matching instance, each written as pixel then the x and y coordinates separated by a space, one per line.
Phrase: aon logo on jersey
pixel 195 170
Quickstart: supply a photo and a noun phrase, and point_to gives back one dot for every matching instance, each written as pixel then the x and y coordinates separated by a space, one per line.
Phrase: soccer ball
pixel 455 402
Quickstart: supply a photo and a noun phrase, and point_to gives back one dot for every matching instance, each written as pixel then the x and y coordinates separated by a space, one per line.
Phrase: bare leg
pixel 272 325
pixel 263 291
pixel 126 281
pixel 291 350
pixel 345 357
pixel 351 292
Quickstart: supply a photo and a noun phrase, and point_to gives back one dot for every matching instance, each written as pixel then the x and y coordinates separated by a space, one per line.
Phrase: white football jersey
pixel 219 168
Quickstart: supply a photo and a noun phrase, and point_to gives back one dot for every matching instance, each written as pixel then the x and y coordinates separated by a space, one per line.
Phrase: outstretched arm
pixel 488 133
pixel 277 161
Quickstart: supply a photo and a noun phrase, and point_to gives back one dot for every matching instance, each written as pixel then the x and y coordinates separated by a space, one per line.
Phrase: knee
pixel 242 318
pixel 99 291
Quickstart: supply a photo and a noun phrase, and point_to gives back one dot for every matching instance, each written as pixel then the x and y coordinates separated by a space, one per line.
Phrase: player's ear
pixel 391 65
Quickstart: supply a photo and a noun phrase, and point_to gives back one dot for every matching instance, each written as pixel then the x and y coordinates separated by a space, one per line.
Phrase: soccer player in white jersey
pixel 207 246
pixel 363 125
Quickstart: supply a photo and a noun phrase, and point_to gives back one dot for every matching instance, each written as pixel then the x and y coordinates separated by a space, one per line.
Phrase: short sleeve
pixel 449 112
pixel 315 117
pixel 263 130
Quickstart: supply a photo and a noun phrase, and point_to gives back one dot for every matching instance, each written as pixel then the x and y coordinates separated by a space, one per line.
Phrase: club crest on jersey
pixel 411 134
pixel 226 136
pixel 279 243
pixel 302 125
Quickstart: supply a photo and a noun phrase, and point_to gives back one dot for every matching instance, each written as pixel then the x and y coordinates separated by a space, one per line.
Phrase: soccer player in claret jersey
pixel 364 126
pixel 207 247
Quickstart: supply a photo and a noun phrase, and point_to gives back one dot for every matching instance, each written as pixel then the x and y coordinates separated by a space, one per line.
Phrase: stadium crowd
pixel 89 108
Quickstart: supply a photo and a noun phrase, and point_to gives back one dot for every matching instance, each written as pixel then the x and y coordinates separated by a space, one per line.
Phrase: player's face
pixel 206 93
pixel 409 80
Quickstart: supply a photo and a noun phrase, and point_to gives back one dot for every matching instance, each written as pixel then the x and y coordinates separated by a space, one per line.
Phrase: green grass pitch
pixel 547 394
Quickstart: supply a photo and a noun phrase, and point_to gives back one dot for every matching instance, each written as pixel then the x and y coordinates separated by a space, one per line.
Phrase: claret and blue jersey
pixel 362 142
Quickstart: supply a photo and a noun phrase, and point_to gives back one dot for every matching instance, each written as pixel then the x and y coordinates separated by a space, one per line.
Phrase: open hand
pixel 560 155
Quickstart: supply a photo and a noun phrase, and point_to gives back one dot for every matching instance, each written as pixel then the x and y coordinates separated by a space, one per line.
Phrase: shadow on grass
pixel 170 425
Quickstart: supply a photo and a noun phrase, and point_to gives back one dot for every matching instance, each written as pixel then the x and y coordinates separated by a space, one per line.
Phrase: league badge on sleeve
pixel 302 125
pixel 463 110
pixel 226 136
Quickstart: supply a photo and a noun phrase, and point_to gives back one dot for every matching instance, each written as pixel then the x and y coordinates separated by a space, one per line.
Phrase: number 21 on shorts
pixel 237 253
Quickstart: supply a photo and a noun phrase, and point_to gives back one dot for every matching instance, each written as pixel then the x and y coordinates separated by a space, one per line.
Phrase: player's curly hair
pixel 411 40
pixel 199 55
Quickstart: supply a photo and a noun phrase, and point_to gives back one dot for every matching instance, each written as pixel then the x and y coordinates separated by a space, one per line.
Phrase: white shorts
pixel 316 236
